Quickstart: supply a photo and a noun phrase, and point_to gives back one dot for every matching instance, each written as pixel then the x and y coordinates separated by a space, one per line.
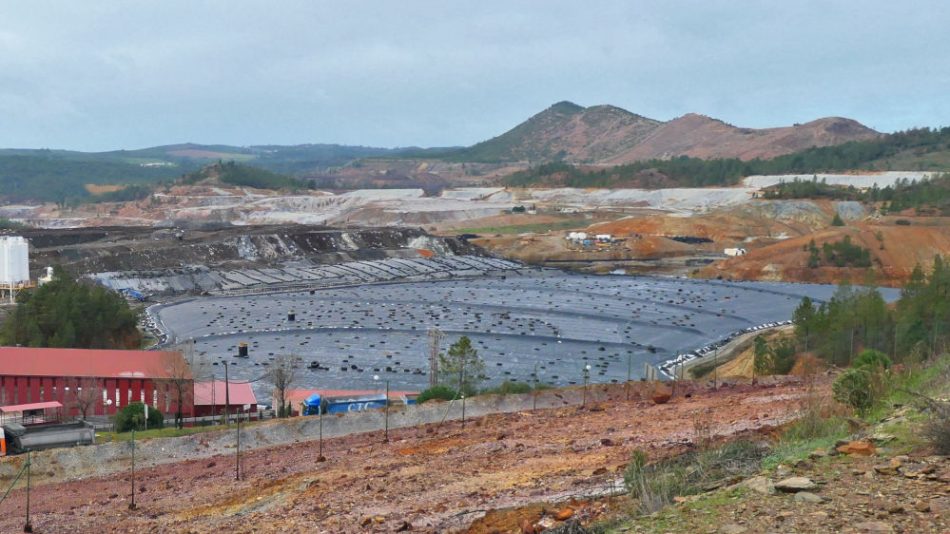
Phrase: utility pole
pixel 132 502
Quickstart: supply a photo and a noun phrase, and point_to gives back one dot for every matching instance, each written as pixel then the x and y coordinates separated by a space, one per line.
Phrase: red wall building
pixel 210 398
pixel 103 381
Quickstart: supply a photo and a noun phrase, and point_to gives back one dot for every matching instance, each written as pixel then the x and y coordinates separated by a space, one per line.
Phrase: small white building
pixel 576 236
pixel 735 252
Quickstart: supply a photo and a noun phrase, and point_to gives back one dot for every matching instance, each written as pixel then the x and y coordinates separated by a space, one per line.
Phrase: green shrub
pixel 437 392
pixel 853 388
pixel 937 429
pixel 509 387
pixel 837 221
pixel 132 416
pixel 873 360
pixel 655 485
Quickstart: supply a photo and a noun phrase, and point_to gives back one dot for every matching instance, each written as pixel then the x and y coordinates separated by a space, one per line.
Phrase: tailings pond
pixel 549 320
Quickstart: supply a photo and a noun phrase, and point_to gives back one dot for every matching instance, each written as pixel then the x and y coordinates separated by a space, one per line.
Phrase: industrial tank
pixel 14 260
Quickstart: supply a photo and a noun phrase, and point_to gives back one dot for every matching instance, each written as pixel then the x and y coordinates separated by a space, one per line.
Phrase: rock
pixel 760 484
pixel 564 514
pixel 809 497
pixel 732 528
pixel 404 527
pixel 922 506
pixel 881 437
pixel 873 526
pixel 857 448
pixel 817 454
pixel 917 469
pixel 795 484
pixel 890 468
pixel 661 398
pixel 895 509
pixel 607 442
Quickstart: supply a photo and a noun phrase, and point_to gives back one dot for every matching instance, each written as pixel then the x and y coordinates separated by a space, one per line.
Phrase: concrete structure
pixel 101 381
pixel 210 398
pixel 734 252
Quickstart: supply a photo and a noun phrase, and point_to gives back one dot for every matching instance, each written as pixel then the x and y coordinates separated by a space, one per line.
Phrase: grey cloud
pixel 118 74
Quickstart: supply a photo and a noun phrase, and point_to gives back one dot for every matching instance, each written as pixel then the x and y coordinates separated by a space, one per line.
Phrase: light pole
pixel 386 408
pixel 586 380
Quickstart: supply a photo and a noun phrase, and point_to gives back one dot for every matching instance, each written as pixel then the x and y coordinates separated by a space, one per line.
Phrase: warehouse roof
pixel 212 393
pixel 32 406
pixel 23 361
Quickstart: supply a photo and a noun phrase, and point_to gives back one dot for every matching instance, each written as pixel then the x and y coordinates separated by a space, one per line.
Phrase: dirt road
pixel 429 478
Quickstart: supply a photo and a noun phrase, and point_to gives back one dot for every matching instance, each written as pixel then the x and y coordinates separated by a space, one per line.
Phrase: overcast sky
pixel 102 75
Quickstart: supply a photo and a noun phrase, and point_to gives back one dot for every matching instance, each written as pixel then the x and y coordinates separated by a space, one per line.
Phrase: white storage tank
pixel 14 260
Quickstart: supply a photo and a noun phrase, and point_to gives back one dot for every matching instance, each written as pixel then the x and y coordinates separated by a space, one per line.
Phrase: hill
pixel 703 137
pixel 610 135
pixel 565 131
pixel 232 173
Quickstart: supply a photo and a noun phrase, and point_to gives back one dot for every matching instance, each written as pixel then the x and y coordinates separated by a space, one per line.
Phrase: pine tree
pixel 461 366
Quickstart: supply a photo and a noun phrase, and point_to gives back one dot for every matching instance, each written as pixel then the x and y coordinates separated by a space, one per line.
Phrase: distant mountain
pixel 611 135
pixel 565 131
pixel 704 137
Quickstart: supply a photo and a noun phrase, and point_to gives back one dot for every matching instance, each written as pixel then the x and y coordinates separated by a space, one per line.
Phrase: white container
pixel 14 260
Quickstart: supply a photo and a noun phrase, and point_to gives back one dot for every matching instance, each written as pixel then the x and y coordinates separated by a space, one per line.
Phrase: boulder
pixel 760 484
pixel 857 448
pixel 795 484
pixel 809 497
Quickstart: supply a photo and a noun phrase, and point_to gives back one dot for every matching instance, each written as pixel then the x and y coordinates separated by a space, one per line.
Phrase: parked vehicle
pixel 16 438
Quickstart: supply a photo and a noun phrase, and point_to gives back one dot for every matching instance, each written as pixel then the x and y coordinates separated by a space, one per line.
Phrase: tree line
pixel 67 313
pixel 858 318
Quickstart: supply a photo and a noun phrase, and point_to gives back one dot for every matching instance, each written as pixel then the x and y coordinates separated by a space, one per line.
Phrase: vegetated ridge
pixel 922 149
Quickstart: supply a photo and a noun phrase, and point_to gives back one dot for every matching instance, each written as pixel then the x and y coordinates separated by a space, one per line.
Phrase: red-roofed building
pixel 210 398
pixel 98 382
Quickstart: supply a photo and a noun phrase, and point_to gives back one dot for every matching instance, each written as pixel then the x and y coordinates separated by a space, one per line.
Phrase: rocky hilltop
pixel 610 135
